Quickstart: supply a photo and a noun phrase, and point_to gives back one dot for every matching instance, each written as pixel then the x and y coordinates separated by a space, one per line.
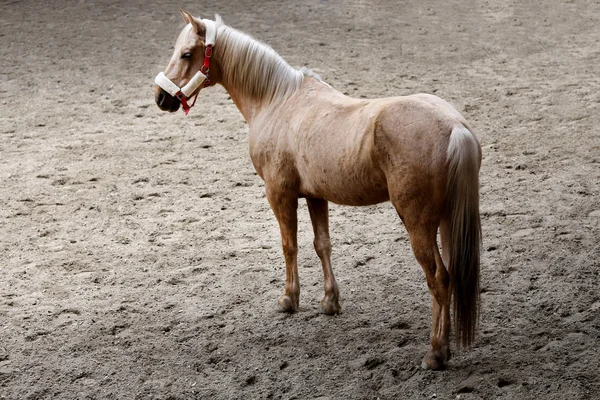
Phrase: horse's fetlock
pixel 331 289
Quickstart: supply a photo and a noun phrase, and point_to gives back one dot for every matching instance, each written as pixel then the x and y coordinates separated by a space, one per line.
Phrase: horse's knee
pixel 290 249
pixel 322 247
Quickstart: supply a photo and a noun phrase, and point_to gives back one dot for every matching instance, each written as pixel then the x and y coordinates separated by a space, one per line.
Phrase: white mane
pixel 253 67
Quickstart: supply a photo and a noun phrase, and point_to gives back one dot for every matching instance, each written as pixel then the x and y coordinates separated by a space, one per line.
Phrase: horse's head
pixel 188 69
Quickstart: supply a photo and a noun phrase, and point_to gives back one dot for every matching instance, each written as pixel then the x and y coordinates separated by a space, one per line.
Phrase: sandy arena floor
pixel 139 258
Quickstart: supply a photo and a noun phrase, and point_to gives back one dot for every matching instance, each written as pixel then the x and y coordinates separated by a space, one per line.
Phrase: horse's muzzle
pixel 165 101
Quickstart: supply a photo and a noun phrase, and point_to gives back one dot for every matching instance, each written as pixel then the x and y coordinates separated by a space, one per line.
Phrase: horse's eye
pixel 186 55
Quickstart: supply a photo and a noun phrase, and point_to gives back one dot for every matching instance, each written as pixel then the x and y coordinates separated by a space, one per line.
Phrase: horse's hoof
pixel 330 306
pixel 448 354
pixel 435 361
pixel 286 304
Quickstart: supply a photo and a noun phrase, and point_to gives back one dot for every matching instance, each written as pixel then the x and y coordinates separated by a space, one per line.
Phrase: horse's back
pixel 345 150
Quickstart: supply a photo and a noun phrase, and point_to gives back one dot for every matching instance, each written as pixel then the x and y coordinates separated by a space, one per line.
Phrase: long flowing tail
pixel 464 160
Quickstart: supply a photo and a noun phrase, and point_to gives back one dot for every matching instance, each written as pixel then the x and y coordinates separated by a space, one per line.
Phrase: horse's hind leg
pixel 422 230
pixel 319 215
pixel 285 207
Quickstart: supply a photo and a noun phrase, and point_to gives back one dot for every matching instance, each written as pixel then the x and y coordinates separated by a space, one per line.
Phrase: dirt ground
pixel 139 258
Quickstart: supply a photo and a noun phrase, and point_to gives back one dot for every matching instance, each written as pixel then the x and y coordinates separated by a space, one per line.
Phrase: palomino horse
pixel 308 140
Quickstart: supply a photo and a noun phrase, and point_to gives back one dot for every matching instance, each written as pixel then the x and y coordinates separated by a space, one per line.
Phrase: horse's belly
pixel 357 187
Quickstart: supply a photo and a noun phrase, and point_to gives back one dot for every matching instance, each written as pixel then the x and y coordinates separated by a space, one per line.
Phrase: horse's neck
pixel 248 106
pixel 254 74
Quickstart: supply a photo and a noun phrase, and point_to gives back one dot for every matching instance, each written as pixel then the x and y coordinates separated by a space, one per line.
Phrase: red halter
pixel 204 69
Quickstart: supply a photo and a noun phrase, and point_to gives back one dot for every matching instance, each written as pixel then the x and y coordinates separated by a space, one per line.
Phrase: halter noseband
pixel 201 77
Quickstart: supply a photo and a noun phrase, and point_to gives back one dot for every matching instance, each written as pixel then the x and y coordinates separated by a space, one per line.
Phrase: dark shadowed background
pixel 139 258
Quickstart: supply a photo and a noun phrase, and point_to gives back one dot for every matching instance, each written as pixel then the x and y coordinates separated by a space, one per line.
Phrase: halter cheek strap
pixel 200 78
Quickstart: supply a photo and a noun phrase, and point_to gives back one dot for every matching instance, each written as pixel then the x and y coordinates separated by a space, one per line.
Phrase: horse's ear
pixel 189 19
pixel 185 16
pixel 196 25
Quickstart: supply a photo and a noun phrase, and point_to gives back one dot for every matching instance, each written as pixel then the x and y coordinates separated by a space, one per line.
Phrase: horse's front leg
pixel 319 215
pixel 284 204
